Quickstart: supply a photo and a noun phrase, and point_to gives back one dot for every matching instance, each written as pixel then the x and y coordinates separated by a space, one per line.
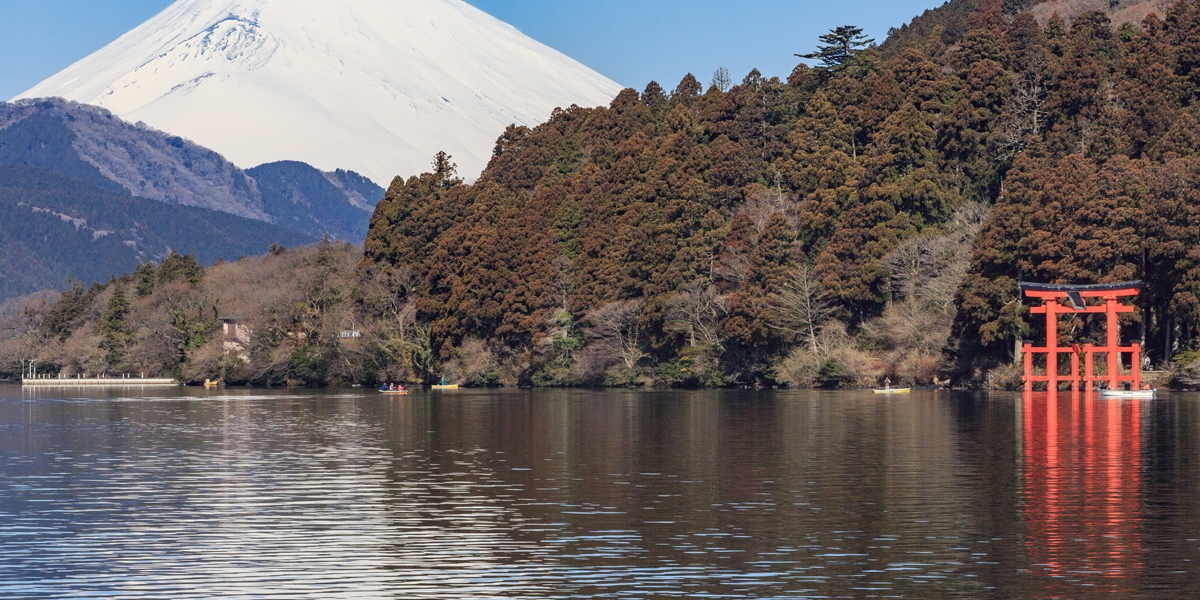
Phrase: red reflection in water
pixel 1082 490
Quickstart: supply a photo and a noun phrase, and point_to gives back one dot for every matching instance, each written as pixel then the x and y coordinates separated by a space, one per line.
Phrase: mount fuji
pixel 376 86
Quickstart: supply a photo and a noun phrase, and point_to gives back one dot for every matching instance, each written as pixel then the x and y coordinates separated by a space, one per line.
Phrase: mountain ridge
pixel 91 144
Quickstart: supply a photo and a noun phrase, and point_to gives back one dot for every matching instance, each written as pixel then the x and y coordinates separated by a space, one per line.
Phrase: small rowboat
pixel 1129 394
pixel 211 384
pixel 394 392
pixel 893 391
pixel 452 386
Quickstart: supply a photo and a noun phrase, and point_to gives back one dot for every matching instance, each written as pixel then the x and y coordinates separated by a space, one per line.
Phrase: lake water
pixel 596 494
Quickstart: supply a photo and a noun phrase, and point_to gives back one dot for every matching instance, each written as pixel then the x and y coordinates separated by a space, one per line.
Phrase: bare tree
pixel 930 267
pixel 763 204
pixel 321 288
pixel 564 280
pixel 696 312
pixel 614 328
pixel 802 306
pixel 397 335
pixel 1025 116
pixel 386 295
pixel 733 265
pixel 908 264
pixel 926 273
pixel 20 322
pixel 721 79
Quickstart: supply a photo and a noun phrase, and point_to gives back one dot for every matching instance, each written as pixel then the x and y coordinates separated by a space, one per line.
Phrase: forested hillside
pixel 165 321
pixel 829 228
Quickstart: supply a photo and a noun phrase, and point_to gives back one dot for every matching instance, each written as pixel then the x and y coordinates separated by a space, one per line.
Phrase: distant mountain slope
pixel 91 145
pixel 361 191
pixel 295 193
pixel 54 227
pixel 375 85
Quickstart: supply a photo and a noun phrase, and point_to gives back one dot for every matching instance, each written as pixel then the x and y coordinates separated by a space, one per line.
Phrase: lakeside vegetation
pixel 168 321
pixel 867 218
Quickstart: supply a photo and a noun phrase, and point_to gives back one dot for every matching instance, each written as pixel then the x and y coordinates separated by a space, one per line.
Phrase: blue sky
pixel 630 41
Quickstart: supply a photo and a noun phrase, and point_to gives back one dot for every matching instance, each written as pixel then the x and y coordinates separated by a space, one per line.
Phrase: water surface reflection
pixel 595 494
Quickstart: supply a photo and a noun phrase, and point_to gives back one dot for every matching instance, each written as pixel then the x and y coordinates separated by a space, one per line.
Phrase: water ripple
pixel 589 495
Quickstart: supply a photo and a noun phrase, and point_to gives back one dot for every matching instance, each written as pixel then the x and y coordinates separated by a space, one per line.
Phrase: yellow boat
pixel 894 391
pixel 211 384
pixel 442 385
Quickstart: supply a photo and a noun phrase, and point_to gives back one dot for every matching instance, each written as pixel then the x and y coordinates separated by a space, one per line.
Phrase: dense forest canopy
pixel 844 187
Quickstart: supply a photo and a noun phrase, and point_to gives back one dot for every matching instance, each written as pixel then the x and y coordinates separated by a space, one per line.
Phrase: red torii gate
pixel 1076 296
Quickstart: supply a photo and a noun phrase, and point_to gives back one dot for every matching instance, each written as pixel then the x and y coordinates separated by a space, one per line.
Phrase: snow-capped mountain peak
pixel 377 86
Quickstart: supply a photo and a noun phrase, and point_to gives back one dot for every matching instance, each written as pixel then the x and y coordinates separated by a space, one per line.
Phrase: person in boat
pixel 400 388
pixel 887 383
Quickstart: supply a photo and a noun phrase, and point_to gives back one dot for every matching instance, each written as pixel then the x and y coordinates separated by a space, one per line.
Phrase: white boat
pixel 1129 394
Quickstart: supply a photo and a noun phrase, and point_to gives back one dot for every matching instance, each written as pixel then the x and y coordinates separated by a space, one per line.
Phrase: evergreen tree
pixel 177 267
pixel 966 139
pixel 144 277
pixel 113 325
pixel 655 99
pixel 904 172
pixel 839 165
pixel 60 321
pixel 840 46
pixel 445 172
pixel 688 90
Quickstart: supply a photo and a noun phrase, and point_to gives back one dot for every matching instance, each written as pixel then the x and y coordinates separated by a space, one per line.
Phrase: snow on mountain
pixel 377 86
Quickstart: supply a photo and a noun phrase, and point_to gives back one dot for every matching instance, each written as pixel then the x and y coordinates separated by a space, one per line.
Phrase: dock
pixel 97 382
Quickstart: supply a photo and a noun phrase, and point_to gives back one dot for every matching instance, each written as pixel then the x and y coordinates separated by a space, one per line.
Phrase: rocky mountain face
pixel 91 145
pixel 378 86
